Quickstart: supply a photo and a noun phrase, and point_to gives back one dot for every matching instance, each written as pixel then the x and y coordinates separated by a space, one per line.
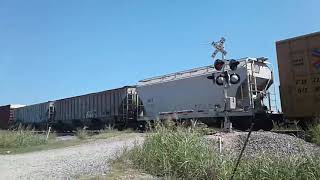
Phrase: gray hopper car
pixel 117 106
pixel 32 115
pixel 191 95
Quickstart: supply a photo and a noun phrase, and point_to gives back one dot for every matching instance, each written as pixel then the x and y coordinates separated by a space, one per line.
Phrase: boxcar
pixel 6 115
pixel 299 71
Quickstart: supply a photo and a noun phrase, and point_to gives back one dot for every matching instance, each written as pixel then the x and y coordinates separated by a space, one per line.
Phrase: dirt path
pixel 65 163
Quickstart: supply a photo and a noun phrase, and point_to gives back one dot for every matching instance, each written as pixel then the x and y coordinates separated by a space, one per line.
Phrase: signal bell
pixel 218 64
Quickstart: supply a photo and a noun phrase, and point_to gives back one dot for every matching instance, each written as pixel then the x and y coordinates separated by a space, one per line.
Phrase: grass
pixel 22 137
pixel 82 134
pixel 51 144
pixel 25 140
pixel 182 153
pixel 314 132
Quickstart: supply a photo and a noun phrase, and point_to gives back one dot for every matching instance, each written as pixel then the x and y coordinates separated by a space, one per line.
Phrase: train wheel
pixel 267 125
pixel 242 124
pixel 141 126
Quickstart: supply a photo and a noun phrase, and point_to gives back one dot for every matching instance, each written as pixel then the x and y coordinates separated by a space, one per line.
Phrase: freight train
pixel 191 94
pixel 195 94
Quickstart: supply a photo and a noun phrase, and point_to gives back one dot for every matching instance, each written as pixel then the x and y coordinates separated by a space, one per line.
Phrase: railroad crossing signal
pixel 219 48
pixel 224 78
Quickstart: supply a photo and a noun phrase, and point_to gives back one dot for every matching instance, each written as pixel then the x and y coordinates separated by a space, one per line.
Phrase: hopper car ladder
pixel 128 108
pixel 51 114
pixel 11 117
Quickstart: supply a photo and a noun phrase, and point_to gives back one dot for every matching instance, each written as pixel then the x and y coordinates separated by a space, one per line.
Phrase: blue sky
pixel 54 49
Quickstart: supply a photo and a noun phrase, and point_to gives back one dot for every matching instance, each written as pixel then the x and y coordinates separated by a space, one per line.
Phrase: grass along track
pixel 24 141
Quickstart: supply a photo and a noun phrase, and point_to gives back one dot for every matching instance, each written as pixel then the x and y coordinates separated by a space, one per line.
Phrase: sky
pixel 52 49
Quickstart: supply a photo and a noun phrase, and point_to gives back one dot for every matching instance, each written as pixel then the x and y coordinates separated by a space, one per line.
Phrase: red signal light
pixel 218 64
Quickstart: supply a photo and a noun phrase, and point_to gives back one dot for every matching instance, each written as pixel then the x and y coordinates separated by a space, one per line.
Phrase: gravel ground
pixel 66 163
pixel 263 143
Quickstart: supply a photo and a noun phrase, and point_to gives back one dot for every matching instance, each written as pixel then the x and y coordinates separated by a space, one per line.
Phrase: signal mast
pixel 225 78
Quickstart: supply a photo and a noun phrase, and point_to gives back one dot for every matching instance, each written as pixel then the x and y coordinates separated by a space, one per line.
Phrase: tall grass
pixel 173 153
pixel 182 153
pixel 22 137
pixel 82 134
pixel 274 168
pixel 315 133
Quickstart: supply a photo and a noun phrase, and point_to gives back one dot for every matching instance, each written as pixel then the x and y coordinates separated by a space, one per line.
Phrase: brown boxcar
pixel 299 72
pixel 4 116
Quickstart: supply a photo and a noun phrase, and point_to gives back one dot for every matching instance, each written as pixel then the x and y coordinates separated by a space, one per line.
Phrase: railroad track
pixel 289 131
pixel 70 133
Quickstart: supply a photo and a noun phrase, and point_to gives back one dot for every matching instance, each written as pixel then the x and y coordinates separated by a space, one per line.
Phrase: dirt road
pixel 65 163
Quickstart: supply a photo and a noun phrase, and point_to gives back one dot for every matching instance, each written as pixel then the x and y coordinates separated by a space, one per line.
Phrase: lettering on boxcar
pixel 301 81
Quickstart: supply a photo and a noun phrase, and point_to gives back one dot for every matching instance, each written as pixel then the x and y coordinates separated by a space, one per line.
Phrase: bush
pixel 22 137
pixel 182 153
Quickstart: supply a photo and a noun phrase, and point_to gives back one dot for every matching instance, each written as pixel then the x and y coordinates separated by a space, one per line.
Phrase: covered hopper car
pixel 116 107
pixel 191 95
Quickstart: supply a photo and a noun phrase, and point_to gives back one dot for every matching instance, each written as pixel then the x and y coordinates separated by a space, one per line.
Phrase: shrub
pixel 22 137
